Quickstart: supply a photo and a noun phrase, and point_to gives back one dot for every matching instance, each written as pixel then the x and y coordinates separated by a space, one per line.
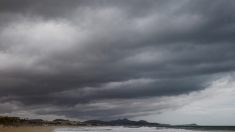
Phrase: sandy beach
pixel 27 129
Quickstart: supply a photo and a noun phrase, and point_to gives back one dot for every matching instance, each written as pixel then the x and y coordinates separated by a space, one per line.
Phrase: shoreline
pixel 52 128
pixel 28 128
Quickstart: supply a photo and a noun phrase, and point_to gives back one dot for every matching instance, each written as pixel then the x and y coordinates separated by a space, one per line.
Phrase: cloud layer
pixel 110 59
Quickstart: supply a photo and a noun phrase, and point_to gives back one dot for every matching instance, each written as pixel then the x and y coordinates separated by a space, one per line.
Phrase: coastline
pixel 27 128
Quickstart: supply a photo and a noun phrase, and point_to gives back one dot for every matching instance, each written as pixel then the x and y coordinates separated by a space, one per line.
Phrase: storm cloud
pixel 109 59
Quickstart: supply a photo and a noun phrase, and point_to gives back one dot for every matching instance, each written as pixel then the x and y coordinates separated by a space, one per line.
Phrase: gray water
pixel 126 129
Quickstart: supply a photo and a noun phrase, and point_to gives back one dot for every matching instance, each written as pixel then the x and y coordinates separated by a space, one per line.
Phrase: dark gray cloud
pixel 65 54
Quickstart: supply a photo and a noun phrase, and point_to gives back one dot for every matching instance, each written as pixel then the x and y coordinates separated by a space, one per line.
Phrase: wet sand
pixel 27 129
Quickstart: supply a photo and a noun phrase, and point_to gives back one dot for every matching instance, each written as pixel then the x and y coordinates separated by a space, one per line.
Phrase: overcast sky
pixel 167 61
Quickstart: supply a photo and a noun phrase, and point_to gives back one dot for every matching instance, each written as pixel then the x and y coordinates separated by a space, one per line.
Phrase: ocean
pixel 127 129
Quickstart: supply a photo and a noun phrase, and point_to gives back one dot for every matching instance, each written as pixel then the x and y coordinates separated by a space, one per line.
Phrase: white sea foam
pixel 119 129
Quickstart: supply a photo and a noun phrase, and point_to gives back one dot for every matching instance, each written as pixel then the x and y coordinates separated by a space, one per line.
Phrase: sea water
pixel 127 129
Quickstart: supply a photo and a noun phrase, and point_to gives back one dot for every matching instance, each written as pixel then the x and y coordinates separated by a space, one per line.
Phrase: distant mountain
pixel 121 122
pixel 16 121
pixel 60 120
